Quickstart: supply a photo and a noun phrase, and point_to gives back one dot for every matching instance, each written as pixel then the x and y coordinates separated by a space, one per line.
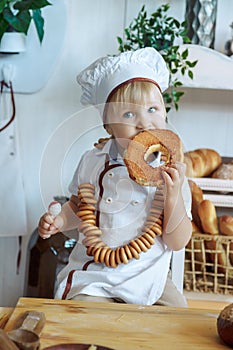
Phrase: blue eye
pixel 151 110
pixel 128 115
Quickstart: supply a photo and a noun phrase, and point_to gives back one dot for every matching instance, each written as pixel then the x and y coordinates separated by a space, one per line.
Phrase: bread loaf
pixel 225 324
pixel 209 222
pixel 225 171
pixel 197 198
pixel 208 217
pixel 226 229
pixel 195 228
pixel 226 225
pixel 201 162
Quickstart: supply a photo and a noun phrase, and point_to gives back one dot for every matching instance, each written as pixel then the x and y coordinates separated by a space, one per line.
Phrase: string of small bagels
pixel 87 204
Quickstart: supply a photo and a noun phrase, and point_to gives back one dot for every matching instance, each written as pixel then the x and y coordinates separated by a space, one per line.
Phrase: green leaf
pixel 178 83
pixel 190 74
pixel 119 40
pixel 30 4
pixel 185 54
pixel 39 23
pixel 186 40
pixel 20 22
pixel 191 64
pixel 179 94
pixel 173 92
pixel 177 23
pixel 2 6
pixel 167 97
pixel 3 25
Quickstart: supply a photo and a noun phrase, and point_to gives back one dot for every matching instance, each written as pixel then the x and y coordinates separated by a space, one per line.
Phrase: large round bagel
pixel 141 149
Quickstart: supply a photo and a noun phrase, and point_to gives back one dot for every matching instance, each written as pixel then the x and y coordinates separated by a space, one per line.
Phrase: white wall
pixel 91 32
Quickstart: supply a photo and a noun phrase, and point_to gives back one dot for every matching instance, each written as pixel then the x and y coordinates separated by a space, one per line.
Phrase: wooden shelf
pixel 214 70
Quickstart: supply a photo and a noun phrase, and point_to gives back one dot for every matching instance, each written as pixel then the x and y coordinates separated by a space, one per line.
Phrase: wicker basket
pixel 209 264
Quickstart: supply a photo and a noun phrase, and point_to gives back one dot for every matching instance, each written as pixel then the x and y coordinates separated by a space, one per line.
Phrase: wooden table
pixel 123 327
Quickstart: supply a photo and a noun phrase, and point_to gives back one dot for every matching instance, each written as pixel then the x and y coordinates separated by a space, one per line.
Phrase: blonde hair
pixel 135 92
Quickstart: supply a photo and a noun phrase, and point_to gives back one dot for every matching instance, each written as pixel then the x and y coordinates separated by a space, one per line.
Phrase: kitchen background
pixel 204 119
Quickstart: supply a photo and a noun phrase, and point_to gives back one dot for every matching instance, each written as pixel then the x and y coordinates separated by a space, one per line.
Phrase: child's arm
pixel 66 220
pixel 177 227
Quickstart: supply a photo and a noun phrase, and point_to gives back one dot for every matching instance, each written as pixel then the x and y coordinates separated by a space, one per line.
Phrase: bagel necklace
pixel 95 246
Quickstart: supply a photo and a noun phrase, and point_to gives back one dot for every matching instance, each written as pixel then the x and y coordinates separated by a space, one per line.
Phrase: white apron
pixel 124 206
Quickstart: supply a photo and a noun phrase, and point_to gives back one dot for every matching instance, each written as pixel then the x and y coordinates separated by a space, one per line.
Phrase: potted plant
pixel 161 31
pixel 17 15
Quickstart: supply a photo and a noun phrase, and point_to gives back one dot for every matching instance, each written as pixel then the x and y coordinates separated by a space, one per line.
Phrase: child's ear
pixel 108 129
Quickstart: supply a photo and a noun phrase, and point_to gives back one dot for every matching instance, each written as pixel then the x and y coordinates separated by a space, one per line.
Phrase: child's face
pixel 125 120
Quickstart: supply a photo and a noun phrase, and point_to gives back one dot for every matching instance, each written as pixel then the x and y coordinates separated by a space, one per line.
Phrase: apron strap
pixel 8 86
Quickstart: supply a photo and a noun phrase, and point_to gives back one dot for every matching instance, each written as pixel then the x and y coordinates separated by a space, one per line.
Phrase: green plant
pixel 16 15
pixel 160 32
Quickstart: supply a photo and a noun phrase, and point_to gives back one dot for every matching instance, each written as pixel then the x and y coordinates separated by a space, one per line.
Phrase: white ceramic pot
pixel 13 42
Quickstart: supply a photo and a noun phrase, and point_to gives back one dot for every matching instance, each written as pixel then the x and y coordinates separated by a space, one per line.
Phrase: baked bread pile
pixel 206 162
pixel 206 221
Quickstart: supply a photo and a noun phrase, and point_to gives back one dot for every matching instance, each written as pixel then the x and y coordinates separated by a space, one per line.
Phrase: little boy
pixel 127 90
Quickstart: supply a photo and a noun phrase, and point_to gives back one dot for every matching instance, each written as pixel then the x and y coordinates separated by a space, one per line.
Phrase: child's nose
pixel 144 122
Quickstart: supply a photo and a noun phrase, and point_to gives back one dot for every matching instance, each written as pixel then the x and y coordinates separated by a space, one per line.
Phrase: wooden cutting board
pixel 121 326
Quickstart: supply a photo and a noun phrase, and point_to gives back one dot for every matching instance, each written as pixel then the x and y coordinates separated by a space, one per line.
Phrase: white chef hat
pixel 103 76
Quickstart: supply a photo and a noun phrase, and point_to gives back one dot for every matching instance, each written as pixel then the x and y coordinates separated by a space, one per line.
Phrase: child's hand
pixel 173 176
pixel 50 223
pixel 177 226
